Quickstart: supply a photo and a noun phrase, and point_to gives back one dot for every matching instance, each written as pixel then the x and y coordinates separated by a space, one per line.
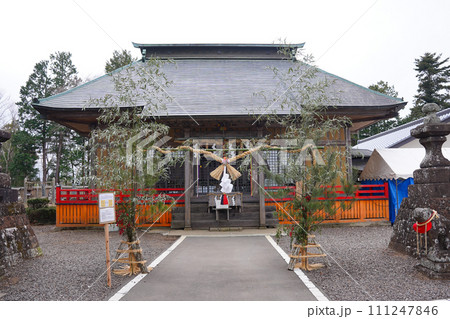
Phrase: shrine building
pixel 214 100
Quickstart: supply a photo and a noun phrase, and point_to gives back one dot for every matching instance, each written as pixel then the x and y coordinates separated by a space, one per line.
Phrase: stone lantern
pixel 430 192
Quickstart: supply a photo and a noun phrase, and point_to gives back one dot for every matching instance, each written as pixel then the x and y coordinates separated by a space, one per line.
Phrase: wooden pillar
pixel 254 176
pixel 94 154
pixel 262 197
pixel 108 257
pixel 262 201
pixel 348 149
pixel 187 185
pixel 298 189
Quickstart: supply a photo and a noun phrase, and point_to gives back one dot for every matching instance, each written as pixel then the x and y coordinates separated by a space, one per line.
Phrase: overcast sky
pixel 361 41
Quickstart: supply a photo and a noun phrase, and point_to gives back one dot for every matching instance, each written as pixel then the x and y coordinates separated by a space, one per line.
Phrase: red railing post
pixel 58 194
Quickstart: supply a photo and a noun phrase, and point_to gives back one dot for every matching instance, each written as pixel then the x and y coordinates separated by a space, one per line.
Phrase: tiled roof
pixel 227 87
pixel 397 135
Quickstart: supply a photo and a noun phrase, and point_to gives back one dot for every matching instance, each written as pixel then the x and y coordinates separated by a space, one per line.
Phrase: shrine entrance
pixel 207 184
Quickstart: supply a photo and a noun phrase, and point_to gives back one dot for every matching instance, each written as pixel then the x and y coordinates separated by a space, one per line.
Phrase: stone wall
pixel 17 238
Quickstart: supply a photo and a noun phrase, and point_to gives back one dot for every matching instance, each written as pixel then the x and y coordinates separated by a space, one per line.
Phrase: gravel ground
pixel 72 266
pixel 378 272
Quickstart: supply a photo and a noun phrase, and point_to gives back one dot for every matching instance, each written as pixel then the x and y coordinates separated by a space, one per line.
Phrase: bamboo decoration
pixel 301 252
pixel 131 264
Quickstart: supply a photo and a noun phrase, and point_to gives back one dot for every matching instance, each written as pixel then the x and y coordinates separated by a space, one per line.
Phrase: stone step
pixel 206 224
pixel 233 215
pixel 202 219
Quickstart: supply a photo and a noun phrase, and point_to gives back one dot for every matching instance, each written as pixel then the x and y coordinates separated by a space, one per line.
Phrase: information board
pixel 106 208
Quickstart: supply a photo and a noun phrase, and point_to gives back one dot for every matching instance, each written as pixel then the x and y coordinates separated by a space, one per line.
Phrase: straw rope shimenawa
pixel 234 173
pixel 434 215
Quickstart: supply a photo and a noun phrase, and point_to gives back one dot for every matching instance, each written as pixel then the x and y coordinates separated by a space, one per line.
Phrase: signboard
pixel 106 208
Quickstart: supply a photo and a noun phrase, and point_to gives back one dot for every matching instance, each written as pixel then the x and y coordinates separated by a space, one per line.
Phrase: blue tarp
pixel 398 189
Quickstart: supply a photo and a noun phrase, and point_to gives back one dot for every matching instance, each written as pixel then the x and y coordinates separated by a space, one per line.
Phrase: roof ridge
pixel 363 87
pixel 249 45
pixel 394 129
pixel 397 128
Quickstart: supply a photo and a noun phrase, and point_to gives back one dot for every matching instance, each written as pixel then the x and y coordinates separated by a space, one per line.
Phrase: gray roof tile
pixel 214 86
pixel 397 135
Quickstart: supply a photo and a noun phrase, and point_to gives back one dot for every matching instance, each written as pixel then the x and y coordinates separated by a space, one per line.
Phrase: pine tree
pixel 38 86
pixel 64 76
pixel 49 77
pixel 384 125
pixel 23 158
pixel 434 83
pixel 119 60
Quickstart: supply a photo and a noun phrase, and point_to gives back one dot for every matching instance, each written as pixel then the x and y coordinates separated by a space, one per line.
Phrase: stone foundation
pixel 404 238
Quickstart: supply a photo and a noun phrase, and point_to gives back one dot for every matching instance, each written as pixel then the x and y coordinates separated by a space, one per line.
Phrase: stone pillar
pixel 17 239
pixel 431 191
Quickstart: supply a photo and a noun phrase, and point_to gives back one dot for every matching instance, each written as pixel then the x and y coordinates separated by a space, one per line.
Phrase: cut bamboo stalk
pixel 129 250
pixel 310 256
pixel 293 261
pixel 130 243
pixel 300 253
pixel 127 261
pixel 308 246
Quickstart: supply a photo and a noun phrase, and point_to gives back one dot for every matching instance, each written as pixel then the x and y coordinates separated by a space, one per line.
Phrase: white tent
pixel 395 163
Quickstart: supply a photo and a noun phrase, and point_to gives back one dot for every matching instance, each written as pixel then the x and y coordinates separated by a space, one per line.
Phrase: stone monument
pixel 430 192
pixel 17 239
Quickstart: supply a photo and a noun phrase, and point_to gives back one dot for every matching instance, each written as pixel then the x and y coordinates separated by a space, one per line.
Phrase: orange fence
pixel 86 215
pixel 361 211
pixel 370 203
pixel 79 207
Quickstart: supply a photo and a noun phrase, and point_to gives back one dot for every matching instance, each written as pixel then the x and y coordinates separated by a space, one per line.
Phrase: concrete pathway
pixel 221 268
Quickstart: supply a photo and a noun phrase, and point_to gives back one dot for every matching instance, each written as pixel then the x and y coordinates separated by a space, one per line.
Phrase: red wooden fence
pixel 370 203
pixel 79 207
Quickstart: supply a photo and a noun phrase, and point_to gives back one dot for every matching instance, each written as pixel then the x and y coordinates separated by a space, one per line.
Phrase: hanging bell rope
pixel 234 173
